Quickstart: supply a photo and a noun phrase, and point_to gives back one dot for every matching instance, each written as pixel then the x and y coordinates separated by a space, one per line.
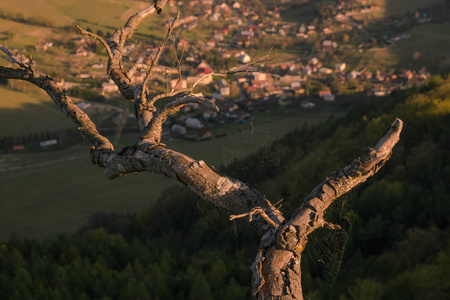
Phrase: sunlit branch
pixel 168 95
pixel 154 130
pixel 157 69
pixel 158 54
pixel 14 58
pixel 179 59
pixel 256 210
pixel 98 38
pixel 262 212
pixel 250 66
pixel 81 120
pixel 116 42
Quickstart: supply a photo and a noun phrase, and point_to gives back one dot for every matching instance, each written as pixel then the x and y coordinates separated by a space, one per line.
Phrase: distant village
pixel 235 31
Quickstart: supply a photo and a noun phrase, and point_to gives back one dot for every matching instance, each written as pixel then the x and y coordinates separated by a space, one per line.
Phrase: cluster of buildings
pixel 234 29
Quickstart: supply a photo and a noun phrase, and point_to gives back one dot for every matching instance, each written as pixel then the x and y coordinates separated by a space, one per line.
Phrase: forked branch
pixel 116 43
pixel 260 211
pixel 250 66
pixel 98 38
pixel 154 129
pixel 83 123
pixel 158 54
pixel 279 275
pixel 256 210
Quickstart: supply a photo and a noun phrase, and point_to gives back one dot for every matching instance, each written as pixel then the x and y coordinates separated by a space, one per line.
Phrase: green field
pixel 428 46
pixel 301 13
pixel 56 192
pixel 46 200
pixel 23 35
pixel 401 7
pixel 305 13
pixel 105 15
pixel 29 113
pixel 43 10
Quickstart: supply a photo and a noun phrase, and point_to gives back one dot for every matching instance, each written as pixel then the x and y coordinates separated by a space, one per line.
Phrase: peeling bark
pixel 231 194
pixel 282 255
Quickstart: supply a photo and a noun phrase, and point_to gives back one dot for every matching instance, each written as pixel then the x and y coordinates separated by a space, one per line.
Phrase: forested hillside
pixel 395 228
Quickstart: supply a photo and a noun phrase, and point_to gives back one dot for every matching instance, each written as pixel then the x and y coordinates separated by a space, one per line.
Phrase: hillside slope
pixel 396 227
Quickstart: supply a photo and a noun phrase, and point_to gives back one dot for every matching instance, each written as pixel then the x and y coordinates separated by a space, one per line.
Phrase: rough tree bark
pixel 276 269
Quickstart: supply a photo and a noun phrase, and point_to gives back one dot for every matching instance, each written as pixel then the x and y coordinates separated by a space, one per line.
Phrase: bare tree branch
pixel 256 210
pixel 158 54
pixel 276 270
pixel 201 78
pixel 221 190
pixel 31 66
pixel 98 38
pixel 169 94
pixel 179 59
pixel 343 180
pixel 85 126
pixel 154 129
pixel 251 65
pixel 116 42
pixel 281 266
pixel 156 69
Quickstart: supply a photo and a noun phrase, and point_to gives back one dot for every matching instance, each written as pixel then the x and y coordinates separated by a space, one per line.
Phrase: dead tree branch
pixel 84 124
pixel 207 183
pixel 154 129
pixel 158 55
pixel 256 210
pixel 116 43
pixel 98 38
pixel 251 65
pixel 280 269
pixel 276 270
pixel 157 69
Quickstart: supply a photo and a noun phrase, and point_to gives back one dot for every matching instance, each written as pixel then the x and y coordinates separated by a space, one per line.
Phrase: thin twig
pixel 98 38
pixel 154 129
pixel 169 94
pixel 159 69
pixel 15 59
pixel 203 77
pixel 250 66
pixel 179 59
pixel 158 54
pixel 256 210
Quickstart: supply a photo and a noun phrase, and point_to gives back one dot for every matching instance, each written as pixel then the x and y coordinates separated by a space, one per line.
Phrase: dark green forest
pixel 395 228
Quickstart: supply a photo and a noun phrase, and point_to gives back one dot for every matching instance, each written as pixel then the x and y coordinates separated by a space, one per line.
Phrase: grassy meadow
pixel 51 198
pixel 45 194
pixel 105 15
pixel 29 112
pixel 401 7
pixel 428 46
pixel 301 13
